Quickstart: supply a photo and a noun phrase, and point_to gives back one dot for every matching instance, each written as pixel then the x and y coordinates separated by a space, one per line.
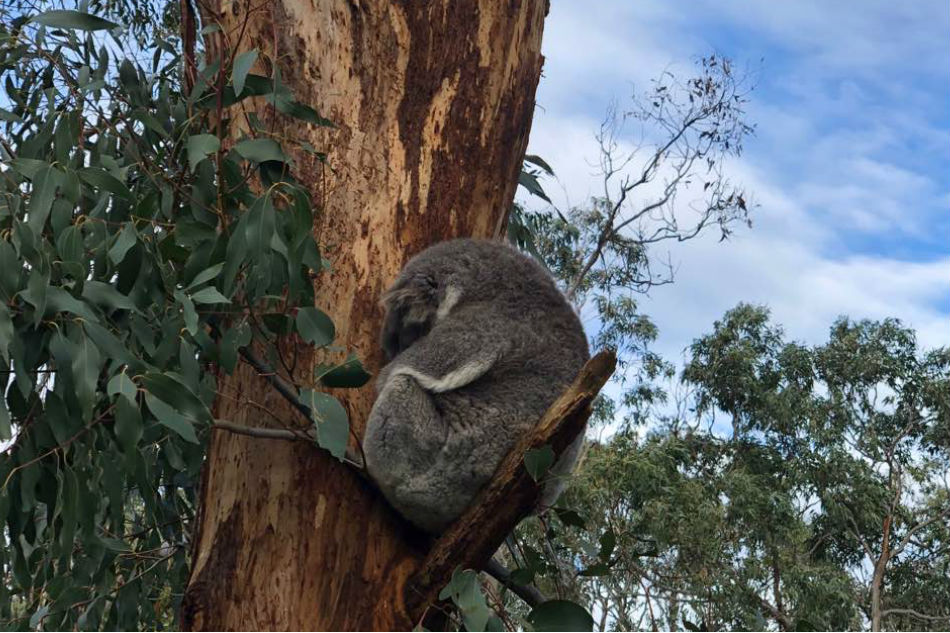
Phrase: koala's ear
pixel 400 331
pixel 390 334
pixel 410 306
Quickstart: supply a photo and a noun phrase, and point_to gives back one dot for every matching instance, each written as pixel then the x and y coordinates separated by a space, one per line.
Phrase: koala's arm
pixel 454 353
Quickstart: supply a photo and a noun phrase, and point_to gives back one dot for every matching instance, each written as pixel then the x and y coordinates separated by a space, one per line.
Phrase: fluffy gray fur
pixel 481 343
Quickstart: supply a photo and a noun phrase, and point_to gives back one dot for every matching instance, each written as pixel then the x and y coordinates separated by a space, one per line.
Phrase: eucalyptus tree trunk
pixel 432 102
pixel 877 577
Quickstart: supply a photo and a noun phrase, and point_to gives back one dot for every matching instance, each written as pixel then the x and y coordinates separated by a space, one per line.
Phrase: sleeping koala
pixel 481 342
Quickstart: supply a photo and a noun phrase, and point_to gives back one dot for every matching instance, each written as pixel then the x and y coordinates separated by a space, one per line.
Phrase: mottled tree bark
pixel 432 103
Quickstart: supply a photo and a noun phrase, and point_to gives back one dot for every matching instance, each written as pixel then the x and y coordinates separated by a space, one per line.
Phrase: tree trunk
pixel 432 103
pixel 877 578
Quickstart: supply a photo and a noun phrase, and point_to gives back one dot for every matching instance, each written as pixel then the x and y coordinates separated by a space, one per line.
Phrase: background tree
pixel 663 164
pixel 800 489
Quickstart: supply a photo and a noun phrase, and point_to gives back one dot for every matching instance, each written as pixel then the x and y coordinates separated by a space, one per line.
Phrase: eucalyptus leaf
pixel 122 384
pixel 114 544
pixel 6 431
pixel 175 394
pixel 284 103
pixel 87 362
pixel 315 327
pixel 68 19
pixel 101 179
pixel 540 162
pixel 209 295
pixel 107 342
pixel 35 293
pixel 10 269
pixel 259 228
pixel 330 419
pixel 349 374
pixel 560 615
pixel 206 275
pixel 6 333
pixel 188 312
pixel 69 245
pixel 199 146
pixel 124 241
pixel 260 150
pixel 170 418
pixel 107 296
pixel 242 66
pixel 608 541
pixel 530 182
pixel 538 461
pixel 28 167
pixel 128 427
pixel 41 199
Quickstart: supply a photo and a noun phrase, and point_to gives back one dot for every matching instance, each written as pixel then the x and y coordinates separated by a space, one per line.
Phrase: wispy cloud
pixel 851 166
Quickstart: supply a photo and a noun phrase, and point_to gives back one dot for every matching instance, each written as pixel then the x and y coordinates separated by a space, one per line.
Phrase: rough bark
pixel 432 103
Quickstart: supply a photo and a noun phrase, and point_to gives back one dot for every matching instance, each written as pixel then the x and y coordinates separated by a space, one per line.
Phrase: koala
pixel 480 343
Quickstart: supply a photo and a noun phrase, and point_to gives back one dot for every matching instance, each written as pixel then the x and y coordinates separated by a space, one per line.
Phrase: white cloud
pixel 805 290
pixel 849 168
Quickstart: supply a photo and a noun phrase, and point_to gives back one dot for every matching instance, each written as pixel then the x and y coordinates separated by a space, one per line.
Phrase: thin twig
pixel 270 434
pixel 285 389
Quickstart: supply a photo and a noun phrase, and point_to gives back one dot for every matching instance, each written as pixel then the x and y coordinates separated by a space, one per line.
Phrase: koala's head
pixel 447 276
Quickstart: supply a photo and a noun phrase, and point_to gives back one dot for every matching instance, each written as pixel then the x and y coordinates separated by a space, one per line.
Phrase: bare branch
pixel 702 122
pixel 270 434
pixel 945 513
pixel 529 593
pixel 914 614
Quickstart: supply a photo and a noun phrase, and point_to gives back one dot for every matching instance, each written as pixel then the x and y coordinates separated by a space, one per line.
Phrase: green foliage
pixel 466 594
pixel 64 19
pixel 560 615
pixel 538 460
pixel 764 504
pixel 332 424
pixel 139 254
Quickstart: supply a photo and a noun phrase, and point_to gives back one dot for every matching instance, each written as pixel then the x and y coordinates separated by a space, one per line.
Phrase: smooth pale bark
pixel 432 103
pixel 877 578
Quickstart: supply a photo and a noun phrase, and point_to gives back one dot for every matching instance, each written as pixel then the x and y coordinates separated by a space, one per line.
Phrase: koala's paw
pixel 404 434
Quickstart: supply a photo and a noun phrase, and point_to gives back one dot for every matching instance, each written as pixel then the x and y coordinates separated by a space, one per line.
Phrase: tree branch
pixel 470 542
pixel 918 527
pixel 913 614
pixel 775 614
pixel 270 434
pixel 188 36
pixel 529 593
pixel 289 393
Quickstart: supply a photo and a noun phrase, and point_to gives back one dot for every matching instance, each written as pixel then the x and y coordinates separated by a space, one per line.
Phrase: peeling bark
pixel 432 103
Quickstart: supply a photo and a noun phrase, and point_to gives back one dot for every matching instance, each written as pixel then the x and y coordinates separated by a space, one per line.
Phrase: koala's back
pixel 451 441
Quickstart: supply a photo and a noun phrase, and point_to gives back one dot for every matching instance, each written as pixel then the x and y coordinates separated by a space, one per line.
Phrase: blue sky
pixel 850 165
